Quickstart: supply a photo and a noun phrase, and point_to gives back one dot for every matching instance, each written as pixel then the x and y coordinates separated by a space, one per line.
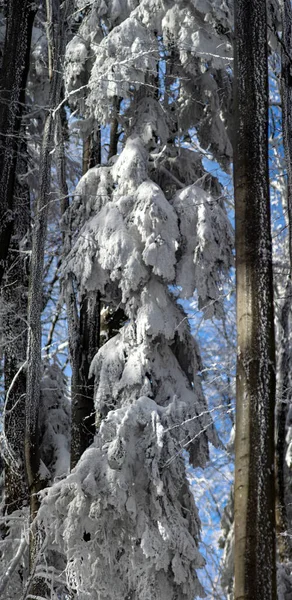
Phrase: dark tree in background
pixel 13 76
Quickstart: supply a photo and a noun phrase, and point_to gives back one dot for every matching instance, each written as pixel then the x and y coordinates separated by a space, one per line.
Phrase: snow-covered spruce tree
pixel 130 486
pixel 122 65
pixel 125 517
pixel 117 50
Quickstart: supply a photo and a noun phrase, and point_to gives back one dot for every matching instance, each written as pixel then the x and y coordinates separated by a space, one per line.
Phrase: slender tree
pixel 56 28
pixel 13 76
pixel 14 297
pixel 254 471
pixel 84 334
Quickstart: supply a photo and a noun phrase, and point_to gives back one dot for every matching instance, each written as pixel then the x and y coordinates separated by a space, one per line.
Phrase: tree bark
pixel 56 23
pixel 82 388
pixel 84 340
pixel 15 293
pixel 83 324
pixel 15 66
pixel 114 135
pixel 255 573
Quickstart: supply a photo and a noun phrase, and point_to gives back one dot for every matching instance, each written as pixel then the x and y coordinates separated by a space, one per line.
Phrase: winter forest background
pixel 117 295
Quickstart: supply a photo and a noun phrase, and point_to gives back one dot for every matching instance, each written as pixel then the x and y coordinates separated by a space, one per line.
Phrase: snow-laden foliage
pixel 120 47
pixel 129 525
pixel 55 424
pixel 14 535
pixel 137 234
pixel 125 517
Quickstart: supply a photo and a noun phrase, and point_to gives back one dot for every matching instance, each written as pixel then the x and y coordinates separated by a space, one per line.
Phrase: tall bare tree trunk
pixel 255 573
pixel 83 320
pixel 56 22
pixel 114 135
pixel 13 76
pixel 14 293
pixel 84 339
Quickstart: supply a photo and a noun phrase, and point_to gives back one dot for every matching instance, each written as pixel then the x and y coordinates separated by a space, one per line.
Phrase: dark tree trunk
pixel 84 340
pixel 255 574
pixel 15 293
pixel 13 76
pixel 83 324
pixel 82 388
pixel 114 134
pixel 56 27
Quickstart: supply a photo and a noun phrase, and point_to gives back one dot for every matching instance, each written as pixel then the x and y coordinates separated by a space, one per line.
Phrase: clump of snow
pixel 55 417
pixel 206 242
pixel 123 514
pixel 122 60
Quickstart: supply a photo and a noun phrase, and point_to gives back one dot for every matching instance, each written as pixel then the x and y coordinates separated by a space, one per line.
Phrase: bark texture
pixel 15 293
pixel 83 321
pixel 114 134
pixel 56 28
pixel 13 76
pixel 84 340
pixel 254 463
pixel 84 343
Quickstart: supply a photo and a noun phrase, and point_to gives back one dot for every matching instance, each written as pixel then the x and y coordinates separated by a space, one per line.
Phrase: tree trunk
pixel 15 292
pixel 15 66
pixel 56 20
pixel 82 389
pixel 114 135
pixel 83 326
pixel 254 448
pixel 84 339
